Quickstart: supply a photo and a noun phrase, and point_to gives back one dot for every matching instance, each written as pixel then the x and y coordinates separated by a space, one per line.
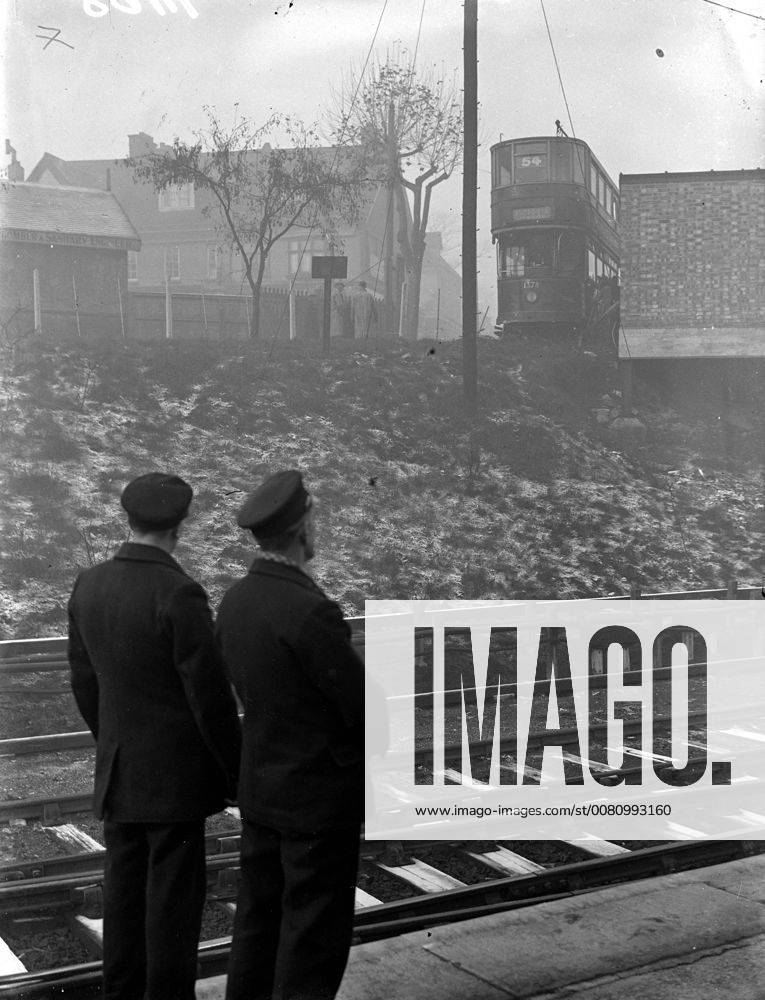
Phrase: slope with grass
pixel 534 498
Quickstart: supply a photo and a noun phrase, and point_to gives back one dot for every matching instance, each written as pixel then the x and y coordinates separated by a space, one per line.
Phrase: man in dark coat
pixel 150 683
pixel 301 786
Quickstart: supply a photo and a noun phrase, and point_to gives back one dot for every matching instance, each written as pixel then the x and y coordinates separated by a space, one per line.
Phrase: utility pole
pixel 469 204
pixel 390 308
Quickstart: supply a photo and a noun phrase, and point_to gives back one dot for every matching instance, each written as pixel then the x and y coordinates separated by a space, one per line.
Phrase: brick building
pixel 76 241
pixel 693 268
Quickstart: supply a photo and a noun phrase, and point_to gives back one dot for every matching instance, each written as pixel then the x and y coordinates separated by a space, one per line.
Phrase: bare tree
pixel 409 124
pixel 259 193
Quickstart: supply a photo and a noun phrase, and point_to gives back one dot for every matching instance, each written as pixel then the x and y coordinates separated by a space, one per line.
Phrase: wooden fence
pixel 221 317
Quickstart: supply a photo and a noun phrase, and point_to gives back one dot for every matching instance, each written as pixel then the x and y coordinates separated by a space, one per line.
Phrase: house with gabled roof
pixel 180 239
pixel 64 259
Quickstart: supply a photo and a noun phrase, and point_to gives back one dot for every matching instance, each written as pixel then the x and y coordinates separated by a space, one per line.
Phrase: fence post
pixel 204 308
pixel 401 309
pixel 293 331
pixel 732 590
pixel 76 307
pixel 122 311
pixel 36 300
pixel 634 592
pixel 168 311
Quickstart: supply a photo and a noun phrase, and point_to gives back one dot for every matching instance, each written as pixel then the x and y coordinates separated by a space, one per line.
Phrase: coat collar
pixel 146 553
pixel 268 567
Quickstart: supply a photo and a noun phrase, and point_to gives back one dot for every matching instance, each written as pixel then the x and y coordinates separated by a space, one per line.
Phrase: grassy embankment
pixel 534 498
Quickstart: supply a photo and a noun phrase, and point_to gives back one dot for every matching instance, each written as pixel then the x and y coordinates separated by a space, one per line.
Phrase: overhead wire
pixel 735 10
pixel 332 167
pixel 557 68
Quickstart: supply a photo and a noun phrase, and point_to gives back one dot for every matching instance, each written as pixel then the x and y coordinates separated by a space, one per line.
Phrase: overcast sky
pixel 699 106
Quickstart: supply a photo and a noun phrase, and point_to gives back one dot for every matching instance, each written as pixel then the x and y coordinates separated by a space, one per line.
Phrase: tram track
pixel 384 920
pixel 67 888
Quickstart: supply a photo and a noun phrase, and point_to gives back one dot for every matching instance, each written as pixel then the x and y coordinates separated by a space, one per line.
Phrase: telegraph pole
pixel 469 202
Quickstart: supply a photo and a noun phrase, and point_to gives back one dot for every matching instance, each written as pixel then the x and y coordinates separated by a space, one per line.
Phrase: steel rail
pixel 50 653
pixel 90 863
pixel 53 742
pixel 81 982
pixel 52 809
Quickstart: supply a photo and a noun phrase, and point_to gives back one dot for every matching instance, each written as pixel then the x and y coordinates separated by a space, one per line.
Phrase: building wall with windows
pixel 692 249
pixel 178 234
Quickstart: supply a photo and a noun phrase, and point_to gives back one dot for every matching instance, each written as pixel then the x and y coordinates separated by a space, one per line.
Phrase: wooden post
pixel 438 311
pixel 293 331
pixel 401 309
pixel 168 311
pixel 634 592
pixel 76 307
pixel 36 300
pixel 390 307
pixel 732 590
pixel 122 311
pixel 469 207
pixel 325 335
pixel 626 367
pixel 204 308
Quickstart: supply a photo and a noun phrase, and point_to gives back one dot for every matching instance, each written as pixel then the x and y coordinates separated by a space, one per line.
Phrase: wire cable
pixel 734 10
pixel 557 67
pixel 332 167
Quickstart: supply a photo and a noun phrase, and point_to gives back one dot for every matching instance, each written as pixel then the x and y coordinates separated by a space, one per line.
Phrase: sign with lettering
pixel 532 214
pixel 68 239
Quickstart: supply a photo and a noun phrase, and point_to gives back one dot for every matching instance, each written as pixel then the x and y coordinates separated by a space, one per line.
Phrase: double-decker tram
pixel 554 219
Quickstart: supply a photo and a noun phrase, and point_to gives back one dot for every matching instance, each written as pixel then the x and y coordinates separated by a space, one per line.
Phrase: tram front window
pixel 526 254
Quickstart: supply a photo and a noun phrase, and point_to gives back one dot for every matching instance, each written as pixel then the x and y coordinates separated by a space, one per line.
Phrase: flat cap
pixel 276 504
pixel 157 500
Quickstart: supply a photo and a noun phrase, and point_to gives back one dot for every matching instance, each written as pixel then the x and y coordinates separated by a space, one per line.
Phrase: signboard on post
pixel 328 268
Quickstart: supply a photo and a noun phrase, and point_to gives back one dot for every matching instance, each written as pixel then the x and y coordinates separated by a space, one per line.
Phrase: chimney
pixel 14 171
pixel 139 144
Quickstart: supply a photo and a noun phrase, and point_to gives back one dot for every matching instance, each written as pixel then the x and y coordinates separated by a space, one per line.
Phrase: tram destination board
pixel 329 267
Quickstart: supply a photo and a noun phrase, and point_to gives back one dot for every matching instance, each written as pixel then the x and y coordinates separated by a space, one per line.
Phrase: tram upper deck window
pixel 560 162
pixel 503 166
pixel 530 161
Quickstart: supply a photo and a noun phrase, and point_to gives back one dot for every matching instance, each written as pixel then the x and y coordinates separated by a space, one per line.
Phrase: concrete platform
pixel 694 936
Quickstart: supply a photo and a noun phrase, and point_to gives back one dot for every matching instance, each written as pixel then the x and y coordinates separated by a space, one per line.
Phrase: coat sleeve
pixel 328 658
pixel 199 663
pixel 82 675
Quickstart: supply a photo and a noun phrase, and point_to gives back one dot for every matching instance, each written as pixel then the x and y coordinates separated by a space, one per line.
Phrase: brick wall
pixel 692 249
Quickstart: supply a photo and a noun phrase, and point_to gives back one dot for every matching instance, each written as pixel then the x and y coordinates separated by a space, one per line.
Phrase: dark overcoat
pixel 302 686
pixel 149 680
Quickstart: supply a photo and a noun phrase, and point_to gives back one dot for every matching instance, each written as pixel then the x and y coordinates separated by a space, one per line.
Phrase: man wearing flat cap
pixel 301 786
pixel 150 683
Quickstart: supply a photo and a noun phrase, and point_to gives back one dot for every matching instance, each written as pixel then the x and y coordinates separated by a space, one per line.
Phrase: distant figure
pixel 364 312
pixel 302 786
pixel 150 683
pixel 342 320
